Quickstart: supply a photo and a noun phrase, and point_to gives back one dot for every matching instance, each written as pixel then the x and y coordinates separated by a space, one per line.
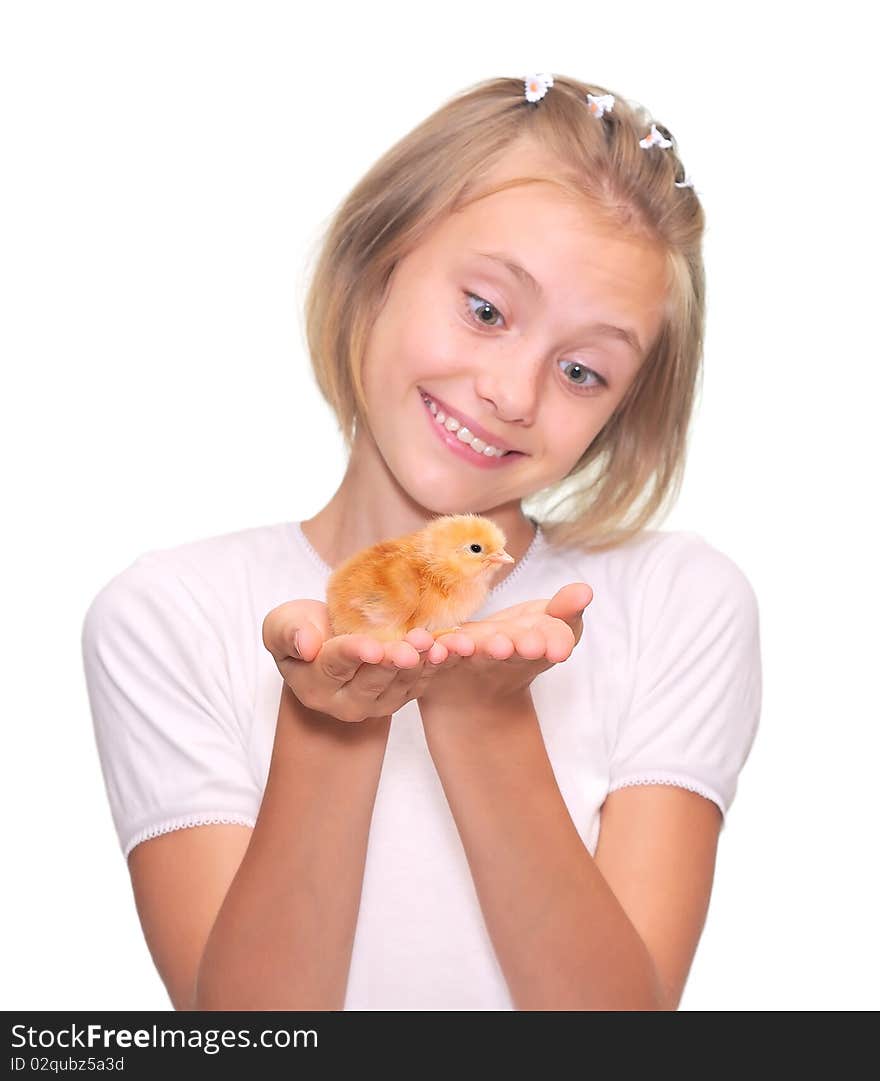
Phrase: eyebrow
pixel 520 272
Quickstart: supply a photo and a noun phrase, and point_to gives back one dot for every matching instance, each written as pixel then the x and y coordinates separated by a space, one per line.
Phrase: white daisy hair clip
pixel 654 139
pixel 536 86
pixel 599 105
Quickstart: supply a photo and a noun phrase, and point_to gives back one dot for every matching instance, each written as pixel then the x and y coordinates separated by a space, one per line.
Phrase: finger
pixel 560 642
pixel 304 642
pixel 301 640
pixel 401 655
pixel 437 654
pixel 407 682
pixel 402 684
pixel 461 644
pixel 342 656
pixel 420 639
pixel 570 601
pixel 499 646
pixel 373 678
pixel 371 681
pixel 280 625
pixel 531 644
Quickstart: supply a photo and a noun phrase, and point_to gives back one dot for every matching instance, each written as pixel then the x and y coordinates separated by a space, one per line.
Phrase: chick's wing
pixel 376 592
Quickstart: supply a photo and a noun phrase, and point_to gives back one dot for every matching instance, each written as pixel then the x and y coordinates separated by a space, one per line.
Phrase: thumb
pixel 570 601
pixel 308 618
pixel 304 642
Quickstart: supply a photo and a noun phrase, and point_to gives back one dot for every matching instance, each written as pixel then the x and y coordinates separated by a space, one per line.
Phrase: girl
pixel 424 824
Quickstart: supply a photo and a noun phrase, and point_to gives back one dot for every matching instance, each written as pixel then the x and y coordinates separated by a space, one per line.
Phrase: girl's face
pixel 525 356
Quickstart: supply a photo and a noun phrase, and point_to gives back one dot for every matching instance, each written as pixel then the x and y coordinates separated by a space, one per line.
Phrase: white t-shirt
pixel 663 687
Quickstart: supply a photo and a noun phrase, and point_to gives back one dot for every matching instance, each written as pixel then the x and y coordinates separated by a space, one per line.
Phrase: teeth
pixel 463 433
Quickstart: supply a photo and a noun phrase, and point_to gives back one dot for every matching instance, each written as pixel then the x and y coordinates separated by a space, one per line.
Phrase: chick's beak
pixel 501 557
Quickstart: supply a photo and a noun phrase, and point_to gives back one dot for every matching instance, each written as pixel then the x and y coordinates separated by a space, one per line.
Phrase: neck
pixel 356 518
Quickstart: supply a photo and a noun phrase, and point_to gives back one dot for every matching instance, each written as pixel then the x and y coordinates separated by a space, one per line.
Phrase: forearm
pixel 284 934
pixel 561 937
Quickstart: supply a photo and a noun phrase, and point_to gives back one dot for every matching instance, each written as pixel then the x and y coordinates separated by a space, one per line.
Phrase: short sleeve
pixel 696 698
pixel 170 744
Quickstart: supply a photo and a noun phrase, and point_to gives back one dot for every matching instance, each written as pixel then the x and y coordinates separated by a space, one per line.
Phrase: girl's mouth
pixel 461 441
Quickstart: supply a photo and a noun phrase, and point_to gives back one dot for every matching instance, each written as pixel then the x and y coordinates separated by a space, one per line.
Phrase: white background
pixel 167 169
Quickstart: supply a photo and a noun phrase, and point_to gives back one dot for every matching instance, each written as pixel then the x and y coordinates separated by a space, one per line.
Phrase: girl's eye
pixel 583 376
pixel 483 307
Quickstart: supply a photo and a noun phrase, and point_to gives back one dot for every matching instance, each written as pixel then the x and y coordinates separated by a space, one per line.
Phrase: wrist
pixel 310 727
pixel 478 716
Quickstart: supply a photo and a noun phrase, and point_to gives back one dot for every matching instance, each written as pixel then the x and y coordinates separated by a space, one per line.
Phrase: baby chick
pixel 434 578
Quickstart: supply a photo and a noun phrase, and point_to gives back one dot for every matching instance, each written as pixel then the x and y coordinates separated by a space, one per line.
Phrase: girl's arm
pixel 283 937
pixel 179 880
pixel 562 937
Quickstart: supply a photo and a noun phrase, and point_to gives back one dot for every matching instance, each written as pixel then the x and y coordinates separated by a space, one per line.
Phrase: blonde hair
pixel 631 473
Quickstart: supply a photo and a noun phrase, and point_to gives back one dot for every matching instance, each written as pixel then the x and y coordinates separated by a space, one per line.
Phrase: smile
pixel 461 440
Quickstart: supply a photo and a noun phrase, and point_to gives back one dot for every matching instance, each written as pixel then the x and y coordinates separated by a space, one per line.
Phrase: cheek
pixel 569 437
pixel 570 452
pixel 418 337
pixel 391 358
pixel 430 348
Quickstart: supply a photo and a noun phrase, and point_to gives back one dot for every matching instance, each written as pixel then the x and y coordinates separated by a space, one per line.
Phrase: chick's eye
pixel 476 548
pixel 483 309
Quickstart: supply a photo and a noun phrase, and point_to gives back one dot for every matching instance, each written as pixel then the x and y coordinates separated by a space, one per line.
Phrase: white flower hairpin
pixel 654 139
pixel 537 86
pixel 600 104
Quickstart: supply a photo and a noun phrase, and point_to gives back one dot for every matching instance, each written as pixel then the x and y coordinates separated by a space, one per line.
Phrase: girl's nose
pixel 512 396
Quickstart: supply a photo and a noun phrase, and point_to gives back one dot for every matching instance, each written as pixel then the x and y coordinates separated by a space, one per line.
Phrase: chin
pixel 435 503
pixel 441 490
pixel 438 497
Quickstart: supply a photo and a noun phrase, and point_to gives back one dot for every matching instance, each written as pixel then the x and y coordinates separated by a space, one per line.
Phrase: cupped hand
pixel 499 656
pixel 352 677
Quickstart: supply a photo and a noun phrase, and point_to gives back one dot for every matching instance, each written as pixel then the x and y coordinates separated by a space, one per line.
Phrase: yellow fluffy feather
pixel 434 578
